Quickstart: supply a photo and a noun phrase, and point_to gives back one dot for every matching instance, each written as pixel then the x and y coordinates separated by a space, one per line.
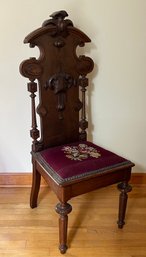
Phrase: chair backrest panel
pixel 58 128
pixel 59 72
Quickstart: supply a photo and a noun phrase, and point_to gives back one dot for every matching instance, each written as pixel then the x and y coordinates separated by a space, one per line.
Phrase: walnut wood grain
pixel 60 74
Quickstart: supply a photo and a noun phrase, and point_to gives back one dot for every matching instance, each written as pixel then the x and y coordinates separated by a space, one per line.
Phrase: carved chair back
pixel 60 74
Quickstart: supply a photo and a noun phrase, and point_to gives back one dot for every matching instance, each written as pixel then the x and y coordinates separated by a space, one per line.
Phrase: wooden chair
pixel 69 163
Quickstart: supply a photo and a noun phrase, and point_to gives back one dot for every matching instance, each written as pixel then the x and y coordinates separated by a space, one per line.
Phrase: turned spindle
pixel 34 132
pixel 83 82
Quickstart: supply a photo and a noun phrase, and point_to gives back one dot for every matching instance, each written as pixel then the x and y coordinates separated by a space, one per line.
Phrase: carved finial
pixel 58 20
pixel 60 14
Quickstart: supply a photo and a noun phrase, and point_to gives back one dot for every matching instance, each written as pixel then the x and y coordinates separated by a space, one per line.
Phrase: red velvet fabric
pixel 66 168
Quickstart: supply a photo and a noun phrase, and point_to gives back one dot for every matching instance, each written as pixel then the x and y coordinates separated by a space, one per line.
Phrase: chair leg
pixel 63 209
pixel 36 179
pixel 124 188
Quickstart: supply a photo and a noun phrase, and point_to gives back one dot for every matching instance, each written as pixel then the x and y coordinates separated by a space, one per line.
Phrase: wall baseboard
pixel 138 178
pixel 25 179
pixel 17 180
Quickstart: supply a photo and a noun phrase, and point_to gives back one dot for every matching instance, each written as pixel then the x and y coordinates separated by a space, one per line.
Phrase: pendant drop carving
pixel 60 83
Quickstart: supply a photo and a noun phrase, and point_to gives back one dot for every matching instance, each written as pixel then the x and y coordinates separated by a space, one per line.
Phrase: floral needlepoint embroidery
pixel 80 152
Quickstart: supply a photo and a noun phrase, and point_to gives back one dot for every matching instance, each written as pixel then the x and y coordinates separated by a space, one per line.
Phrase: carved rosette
pixel 32 69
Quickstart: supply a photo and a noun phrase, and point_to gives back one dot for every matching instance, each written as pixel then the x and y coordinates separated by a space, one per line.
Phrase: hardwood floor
pixel 26 232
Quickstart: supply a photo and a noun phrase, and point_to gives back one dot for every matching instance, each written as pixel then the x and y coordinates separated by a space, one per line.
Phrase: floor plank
pixel 93 231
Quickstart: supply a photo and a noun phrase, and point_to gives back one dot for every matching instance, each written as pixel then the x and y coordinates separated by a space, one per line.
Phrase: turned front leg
pixel 124 187
pixel 63 209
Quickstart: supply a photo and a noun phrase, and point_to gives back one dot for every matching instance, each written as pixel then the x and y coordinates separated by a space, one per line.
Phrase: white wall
pixel 118 32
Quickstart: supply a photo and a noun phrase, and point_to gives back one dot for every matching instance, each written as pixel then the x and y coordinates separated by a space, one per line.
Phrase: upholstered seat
pixel 70 162
pixel 61 154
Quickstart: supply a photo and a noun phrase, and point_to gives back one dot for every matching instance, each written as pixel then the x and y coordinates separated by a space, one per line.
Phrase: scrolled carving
pixel 81 43
pixel 59 22
pixel 58 70
pixel 85 65
pixel 31 69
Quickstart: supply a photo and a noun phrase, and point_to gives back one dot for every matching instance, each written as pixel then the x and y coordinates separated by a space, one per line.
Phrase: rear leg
pixel 36 179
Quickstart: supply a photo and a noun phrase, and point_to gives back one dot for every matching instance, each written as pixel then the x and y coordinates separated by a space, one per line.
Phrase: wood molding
pixel 24 179
pixel 138 178
pixel 17 179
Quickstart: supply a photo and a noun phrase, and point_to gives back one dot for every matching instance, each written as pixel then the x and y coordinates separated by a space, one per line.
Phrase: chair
pixel 61 154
